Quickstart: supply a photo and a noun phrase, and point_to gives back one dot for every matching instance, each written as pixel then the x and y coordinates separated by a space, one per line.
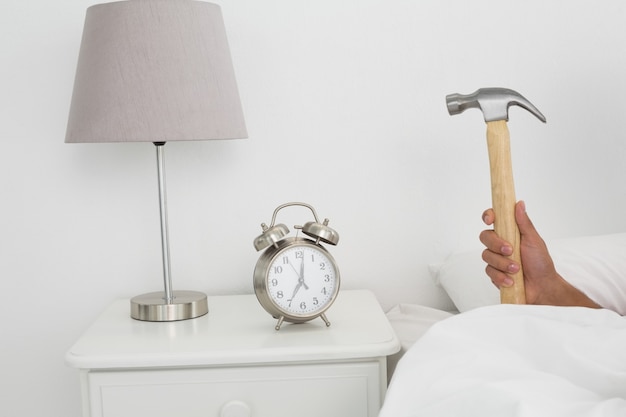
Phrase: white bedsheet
pixel 410 322
pixel 511 360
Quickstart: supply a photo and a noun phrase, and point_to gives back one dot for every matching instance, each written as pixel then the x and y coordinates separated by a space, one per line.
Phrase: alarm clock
pixel 296 279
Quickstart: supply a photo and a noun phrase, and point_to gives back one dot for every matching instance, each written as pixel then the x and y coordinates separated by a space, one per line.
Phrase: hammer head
pixel 494 103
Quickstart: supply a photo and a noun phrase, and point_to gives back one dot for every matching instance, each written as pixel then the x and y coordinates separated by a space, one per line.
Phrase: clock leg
pixel 323 316
pixel 280 322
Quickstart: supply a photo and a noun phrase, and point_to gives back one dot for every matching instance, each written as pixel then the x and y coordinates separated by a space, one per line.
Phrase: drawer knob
pixel 235 408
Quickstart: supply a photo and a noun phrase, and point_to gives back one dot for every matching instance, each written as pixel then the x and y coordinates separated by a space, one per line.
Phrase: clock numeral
pixel 274 282
pixel 278 269
pixel 324 291
pixel 315 301
pixel 285 260
pixel 322 266
pixel 299 255
pixel 312 257
pixel 303 305
pixel 279 294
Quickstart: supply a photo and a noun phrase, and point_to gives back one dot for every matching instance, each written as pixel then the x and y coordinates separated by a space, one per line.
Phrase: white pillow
pixel 596 265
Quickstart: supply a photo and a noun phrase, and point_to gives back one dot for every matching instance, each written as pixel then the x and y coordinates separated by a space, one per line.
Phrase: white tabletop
pixel 236 331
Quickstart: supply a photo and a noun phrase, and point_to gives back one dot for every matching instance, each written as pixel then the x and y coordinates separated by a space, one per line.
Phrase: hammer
pixel 495 103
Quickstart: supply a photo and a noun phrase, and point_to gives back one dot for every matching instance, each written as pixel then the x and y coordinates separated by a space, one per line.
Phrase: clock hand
pixel 301 280
pixel 295 291
pixel 294 270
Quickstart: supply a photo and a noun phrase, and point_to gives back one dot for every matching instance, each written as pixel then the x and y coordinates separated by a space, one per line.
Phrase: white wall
pixel 344 102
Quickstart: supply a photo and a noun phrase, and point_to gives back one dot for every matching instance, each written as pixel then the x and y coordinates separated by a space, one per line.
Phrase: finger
pixel 499 262
pixel 489 217
pixel 526 226
pixel 495 243
pixel 498 278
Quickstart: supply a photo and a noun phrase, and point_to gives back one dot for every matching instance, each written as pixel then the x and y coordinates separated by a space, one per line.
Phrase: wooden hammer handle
pixel 503 200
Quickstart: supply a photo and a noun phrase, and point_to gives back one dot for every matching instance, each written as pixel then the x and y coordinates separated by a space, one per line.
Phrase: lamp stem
pixel 173 305
pixel 165 245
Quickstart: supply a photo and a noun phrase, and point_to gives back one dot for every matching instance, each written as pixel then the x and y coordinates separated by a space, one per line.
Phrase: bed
pixel 516 360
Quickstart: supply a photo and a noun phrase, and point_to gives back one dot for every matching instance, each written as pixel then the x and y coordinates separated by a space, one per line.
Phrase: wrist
pixel 565 294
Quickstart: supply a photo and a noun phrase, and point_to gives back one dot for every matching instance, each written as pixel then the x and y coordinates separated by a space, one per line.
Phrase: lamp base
pixel 152 306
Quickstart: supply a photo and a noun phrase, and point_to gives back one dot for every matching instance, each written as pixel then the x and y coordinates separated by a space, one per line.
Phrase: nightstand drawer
pixel 305 390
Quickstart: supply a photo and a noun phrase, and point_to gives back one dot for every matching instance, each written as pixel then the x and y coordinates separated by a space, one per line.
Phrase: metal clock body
pixel 296 279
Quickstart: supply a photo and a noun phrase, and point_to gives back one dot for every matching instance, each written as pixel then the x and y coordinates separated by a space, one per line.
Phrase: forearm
pixel 562 293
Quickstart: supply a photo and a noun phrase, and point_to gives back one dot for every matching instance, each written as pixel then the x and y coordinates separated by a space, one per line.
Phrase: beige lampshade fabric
pixel 154 71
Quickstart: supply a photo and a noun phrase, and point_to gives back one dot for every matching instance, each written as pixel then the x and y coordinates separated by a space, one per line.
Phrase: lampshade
pixel 154 71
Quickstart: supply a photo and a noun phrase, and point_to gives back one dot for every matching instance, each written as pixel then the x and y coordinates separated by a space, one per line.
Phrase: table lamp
pixel 156 71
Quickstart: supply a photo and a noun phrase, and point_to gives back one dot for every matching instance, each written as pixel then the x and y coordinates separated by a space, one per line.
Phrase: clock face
pixel 302 280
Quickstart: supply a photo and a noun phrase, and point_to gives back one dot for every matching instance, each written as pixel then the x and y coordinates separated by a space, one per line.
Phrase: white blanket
pixel 511 360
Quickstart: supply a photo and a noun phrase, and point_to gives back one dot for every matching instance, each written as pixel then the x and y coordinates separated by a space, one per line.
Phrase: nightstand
pixel 233 363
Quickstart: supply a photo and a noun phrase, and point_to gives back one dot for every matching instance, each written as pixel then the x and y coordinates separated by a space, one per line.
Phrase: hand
pixel 300 275
pixel 295 291
pixel 301 278
pixel 542 282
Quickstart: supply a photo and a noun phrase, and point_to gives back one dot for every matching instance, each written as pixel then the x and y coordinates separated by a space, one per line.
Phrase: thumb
pixel 526 226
